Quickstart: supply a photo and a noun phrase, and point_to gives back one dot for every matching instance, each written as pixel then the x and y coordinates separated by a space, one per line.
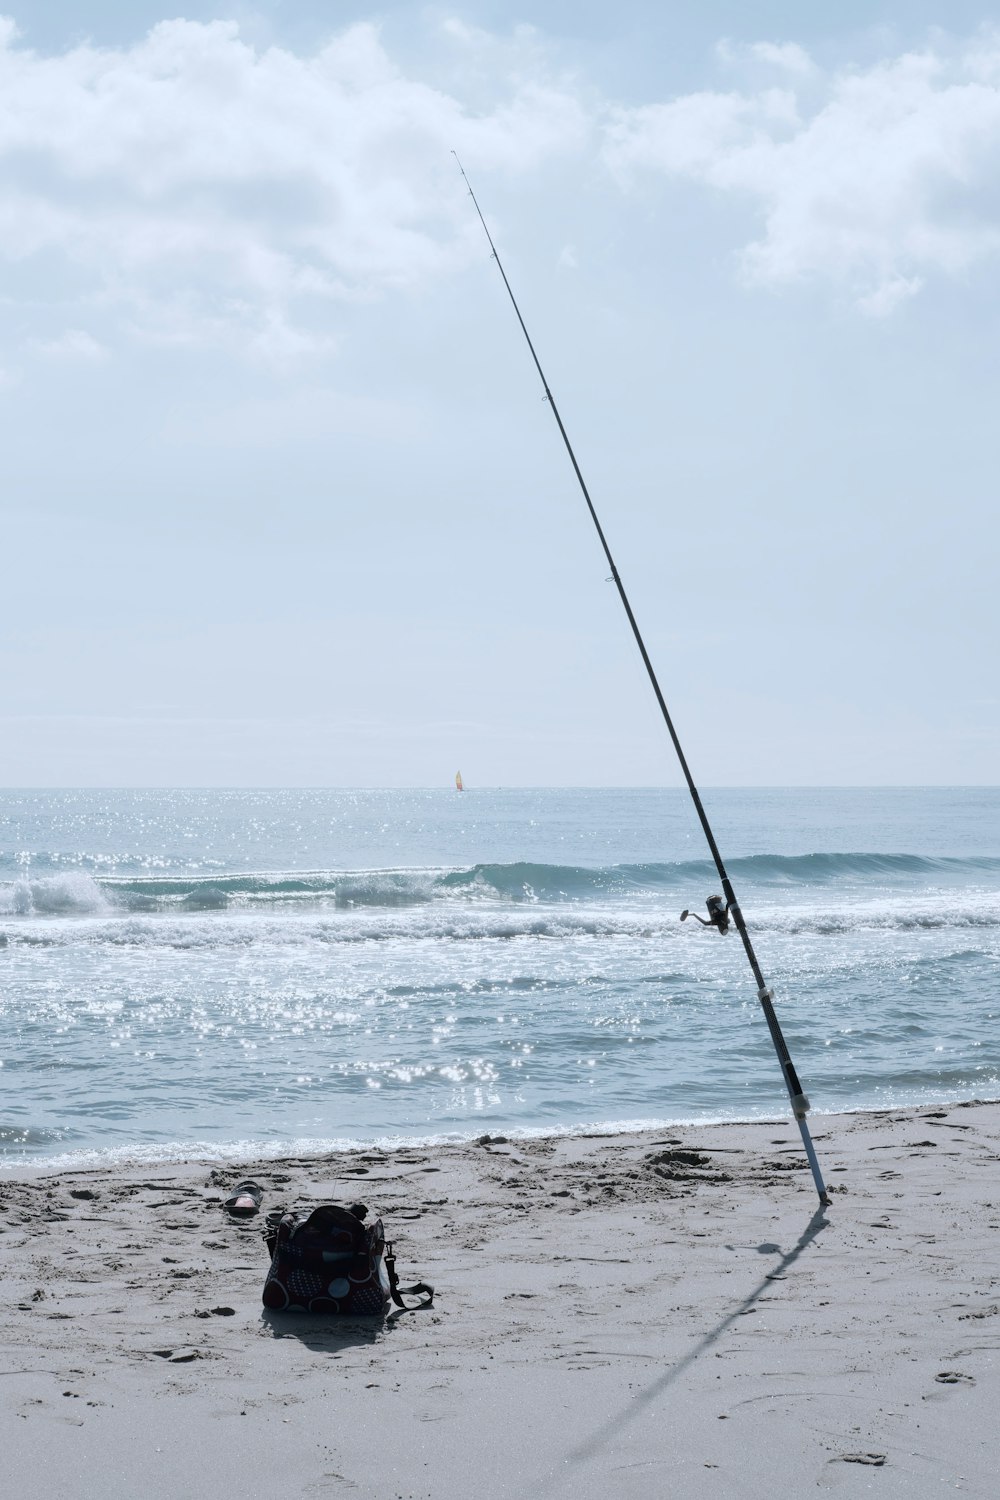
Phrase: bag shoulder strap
pixel 421 1289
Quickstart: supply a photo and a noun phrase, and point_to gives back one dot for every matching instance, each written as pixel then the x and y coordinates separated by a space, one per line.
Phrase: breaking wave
pixel 80 894
pixel 54 896
pixel 199 927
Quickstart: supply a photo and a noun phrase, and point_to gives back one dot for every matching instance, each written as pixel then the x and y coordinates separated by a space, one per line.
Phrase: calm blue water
pixel 215 971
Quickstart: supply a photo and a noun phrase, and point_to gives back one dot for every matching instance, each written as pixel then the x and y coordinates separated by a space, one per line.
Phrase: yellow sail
pixel 458 781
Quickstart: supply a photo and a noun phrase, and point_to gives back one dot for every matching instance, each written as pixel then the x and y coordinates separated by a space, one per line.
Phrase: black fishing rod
pixel 718 915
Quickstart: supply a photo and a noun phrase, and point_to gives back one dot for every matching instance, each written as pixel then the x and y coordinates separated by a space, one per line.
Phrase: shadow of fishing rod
pixel 719 914
pixel 612 1428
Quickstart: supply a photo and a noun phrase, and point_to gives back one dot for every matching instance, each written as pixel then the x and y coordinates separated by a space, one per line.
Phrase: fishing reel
pixel 718 915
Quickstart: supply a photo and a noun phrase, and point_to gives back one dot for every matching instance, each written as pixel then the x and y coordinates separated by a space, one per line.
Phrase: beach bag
pixel 328 1261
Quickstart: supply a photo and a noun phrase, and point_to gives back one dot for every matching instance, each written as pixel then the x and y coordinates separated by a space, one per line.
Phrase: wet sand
pixel 664 1314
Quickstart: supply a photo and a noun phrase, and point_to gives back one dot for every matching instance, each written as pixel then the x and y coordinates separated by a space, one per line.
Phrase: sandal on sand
pixel 244 1201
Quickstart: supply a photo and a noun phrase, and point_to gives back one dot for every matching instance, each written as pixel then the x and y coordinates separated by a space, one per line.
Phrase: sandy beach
pixel 653 1314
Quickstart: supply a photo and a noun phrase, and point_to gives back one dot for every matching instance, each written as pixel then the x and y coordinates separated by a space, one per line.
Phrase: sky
pixel 282 502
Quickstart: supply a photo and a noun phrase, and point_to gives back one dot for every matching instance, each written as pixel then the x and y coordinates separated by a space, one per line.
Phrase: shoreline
pixel 236 1154
pixel 632 1314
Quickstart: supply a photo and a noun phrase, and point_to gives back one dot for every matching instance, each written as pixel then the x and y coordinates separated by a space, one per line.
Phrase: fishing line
pixel 799 1102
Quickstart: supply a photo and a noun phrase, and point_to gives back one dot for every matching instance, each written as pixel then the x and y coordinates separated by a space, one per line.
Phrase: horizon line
pixel 448 786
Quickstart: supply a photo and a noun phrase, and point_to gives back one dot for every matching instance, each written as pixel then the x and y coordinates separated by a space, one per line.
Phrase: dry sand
pixel 649 1315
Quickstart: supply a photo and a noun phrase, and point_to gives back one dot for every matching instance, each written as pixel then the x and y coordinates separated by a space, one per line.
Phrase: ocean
pixel 222 973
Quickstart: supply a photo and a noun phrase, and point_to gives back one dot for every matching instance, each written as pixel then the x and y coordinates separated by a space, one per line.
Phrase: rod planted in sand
pixel 800 1104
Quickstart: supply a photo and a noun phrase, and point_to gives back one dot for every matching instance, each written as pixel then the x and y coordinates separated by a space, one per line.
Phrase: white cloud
pixel 74 344
pixel 872 179
pixel 889 294
pixel 788 56
pixel 191 174
pixel 195 189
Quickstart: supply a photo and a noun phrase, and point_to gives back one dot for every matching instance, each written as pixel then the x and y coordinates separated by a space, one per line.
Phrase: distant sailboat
pixel 458 782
